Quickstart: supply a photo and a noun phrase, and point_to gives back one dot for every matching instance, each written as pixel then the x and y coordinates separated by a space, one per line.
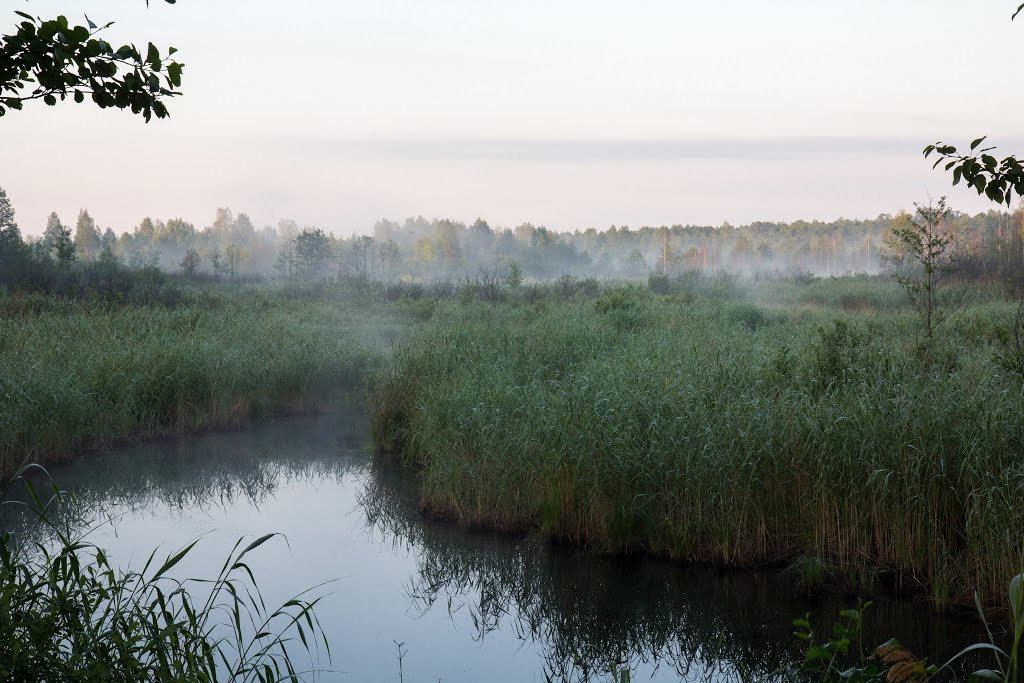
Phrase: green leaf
pixel 174 74
pixel 256 544
pixel 173 560
pixel 152 54
pixel 974 145
pixel 1017 600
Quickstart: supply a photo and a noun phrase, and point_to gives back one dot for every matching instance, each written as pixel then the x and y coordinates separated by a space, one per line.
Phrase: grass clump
pixel 718 432
pixel 83 374
pixel 68 614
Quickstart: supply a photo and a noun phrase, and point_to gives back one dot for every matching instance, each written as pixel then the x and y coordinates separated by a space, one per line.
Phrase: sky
pixel 565 113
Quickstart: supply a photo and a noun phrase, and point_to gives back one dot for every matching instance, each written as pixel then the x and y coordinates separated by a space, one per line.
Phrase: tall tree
pixel 57 240
pixel 51 232
pixel 11 247
pixel 87 237
pixel 190 262
pixel 224 223
pixel 312 252
pixel 8 226
pixel 145 230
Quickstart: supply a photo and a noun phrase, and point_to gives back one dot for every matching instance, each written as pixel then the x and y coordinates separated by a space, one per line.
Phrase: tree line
pixel 989 244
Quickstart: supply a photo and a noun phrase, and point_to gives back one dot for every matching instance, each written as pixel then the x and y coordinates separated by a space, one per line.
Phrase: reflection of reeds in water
pixel 217 469
pixel 70 614
pixel 721 432
pixel 592 615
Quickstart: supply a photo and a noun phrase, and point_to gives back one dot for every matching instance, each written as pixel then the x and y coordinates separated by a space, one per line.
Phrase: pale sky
pixel 571 114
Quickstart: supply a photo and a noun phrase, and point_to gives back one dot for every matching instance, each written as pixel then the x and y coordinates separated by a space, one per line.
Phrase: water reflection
pixel 473 606
pixel 596 615
pixel 213 470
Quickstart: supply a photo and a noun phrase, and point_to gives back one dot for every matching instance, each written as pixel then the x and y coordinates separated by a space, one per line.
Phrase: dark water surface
pixel 467 606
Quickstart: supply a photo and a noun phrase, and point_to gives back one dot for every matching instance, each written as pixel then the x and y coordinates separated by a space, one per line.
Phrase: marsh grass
pixel 78 375
pixel 68 614
pixel 720 431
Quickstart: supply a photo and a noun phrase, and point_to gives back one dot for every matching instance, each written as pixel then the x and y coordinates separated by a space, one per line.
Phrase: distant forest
pixel 986 244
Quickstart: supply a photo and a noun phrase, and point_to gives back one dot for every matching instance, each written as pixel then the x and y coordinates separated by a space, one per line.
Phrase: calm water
pixel 468 607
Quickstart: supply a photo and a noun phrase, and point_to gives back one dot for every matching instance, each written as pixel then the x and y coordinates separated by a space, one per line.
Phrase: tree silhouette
pixel 996 178
pixel 51 60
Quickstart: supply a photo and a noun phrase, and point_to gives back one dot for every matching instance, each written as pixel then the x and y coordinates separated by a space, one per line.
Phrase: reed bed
pixel 77 375
pixel 721 432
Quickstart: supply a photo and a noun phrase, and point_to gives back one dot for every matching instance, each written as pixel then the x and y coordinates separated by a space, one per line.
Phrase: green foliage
pixel 1009 352
pixel 1009 666
pixel 842 656
pixel 659 282
pixel 717 431
pixel 53 60
pixel 997 179
pixel 57 242
pixel 838 354
pixel 190 262
pixel 811 575
pixel 12 250
pixel 928 246
pixel 68 614
pixel 87 238
pixel 514 277
pixel 312 252
pixel 79 374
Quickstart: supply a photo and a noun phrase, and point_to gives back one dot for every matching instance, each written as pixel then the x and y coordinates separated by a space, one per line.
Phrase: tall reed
pixel 719 432
pixel 69 614
pixel 75 375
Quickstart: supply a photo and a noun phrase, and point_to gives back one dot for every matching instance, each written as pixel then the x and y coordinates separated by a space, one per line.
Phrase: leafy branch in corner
pixel 52 60
pixel 996 179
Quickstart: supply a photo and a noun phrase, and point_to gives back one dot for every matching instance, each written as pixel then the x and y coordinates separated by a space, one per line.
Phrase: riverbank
pixel 711 420
pixel 496 607
pixel 79 375
pixel 722 432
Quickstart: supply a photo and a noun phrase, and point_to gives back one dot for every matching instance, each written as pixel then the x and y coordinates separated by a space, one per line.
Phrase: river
pixel 468 606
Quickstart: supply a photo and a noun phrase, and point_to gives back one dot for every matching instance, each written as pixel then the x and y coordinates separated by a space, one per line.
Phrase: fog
pixel 420 249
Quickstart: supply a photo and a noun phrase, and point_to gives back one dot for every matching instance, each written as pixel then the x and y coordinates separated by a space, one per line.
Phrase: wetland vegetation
pixel 729 422
pixel 626 452
pixel 81 373
pixel 772 419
